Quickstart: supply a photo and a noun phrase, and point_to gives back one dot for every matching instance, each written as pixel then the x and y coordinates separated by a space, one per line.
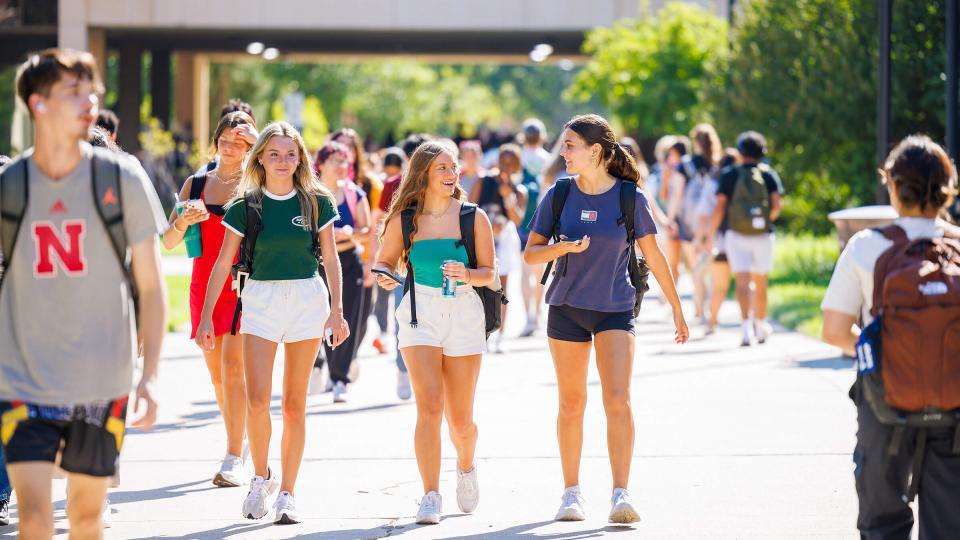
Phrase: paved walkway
pixel 731 443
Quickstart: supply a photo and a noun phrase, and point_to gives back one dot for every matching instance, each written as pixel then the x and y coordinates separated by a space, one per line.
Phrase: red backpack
pixel 909 356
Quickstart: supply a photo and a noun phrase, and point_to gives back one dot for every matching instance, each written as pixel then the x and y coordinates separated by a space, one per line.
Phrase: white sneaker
pixel 571 509
pixel 763 330
pixel 317 381
pixel 231 472
pixel 622 511
pixel 255 506
pixel 468 490
pixel 403 386
pixel 430 507
pixel 286 509
pixel 339 392
pixel 107 512
pixel 529 329
pixel 747 339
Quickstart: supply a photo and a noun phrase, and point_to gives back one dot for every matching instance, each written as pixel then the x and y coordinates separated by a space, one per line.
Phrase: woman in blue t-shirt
pixel 591 298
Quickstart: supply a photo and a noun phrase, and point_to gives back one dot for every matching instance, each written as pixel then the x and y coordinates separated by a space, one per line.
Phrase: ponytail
pixel 622 165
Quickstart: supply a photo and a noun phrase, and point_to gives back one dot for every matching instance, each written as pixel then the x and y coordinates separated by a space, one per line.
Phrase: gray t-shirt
pixel 66 317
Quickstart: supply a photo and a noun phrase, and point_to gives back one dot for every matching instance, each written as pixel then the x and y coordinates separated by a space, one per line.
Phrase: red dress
pixel 211 232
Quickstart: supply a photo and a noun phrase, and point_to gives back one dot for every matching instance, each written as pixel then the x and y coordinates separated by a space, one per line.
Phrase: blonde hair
pixel 306 184
pixel 413 185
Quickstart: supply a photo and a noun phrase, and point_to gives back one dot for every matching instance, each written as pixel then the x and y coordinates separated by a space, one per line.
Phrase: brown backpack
pixel 909 356
pixel 916 290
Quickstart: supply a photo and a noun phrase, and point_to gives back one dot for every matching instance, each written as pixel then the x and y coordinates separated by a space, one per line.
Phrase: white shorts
pixel 285 311
pixel 753 253
pixel 456 325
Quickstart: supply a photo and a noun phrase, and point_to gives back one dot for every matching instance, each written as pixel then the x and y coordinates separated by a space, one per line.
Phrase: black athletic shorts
pixel 89 436
pixel 568 323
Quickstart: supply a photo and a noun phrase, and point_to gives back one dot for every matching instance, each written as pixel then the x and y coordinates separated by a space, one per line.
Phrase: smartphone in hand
pixel 388 274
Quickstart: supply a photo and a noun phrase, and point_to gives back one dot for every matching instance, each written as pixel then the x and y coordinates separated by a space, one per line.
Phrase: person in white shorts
pixel 442 342
pixel 748 202
pixel 284 300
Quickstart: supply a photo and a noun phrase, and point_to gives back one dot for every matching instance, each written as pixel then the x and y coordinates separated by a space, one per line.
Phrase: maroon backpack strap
pixel 898 236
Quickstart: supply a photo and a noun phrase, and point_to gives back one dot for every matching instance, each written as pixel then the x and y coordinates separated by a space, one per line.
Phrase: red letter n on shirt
pixel 62 248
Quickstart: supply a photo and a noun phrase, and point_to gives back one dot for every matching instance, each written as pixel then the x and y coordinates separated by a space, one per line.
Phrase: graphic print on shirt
pixel 63 247
pixel 588 216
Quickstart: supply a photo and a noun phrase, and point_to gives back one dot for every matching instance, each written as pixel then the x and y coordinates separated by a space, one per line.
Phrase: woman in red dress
pixel 215 186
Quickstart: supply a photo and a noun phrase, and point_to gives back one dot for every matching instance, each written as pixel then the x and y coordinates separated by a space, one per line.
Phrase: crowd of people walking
pixel 300 247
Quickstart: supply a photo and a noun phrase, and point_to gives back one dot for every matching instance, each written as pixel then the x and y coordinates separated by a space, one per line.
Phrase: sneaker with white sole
pixel 256 505
pixel 106 513
pixel 430 508
pixel 746 338
pixel 403 386
pixel 468 490
pixel 339 392
pixel 286 509
pixel 763 329
pixel 317 381
pixel 621 509
pixel 231 473
pixel 4 512
pixel 571 509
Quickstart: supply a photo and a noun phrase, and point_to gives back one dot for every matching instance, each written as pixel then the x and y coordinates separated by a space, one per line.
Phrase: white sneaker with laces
pixel 404 391
pixel 339 392
pixel 763 330
pixel 255 506
pixel 622 510
pixel 231 472
pixel 106 513
pixel 571 509
pixel 317 381
pixel 430 508
pixel 468 490
pixel 286 509
pixel 747 338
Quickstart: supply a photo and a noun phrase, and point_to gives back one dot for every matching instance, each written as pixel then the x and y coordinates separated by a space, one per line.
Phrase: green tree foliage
pixel 804 72
pixel 652 73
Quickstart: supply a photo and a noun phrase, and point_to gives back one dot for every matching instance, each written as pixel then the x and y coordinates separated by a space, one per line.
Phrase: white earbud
pixel 41 107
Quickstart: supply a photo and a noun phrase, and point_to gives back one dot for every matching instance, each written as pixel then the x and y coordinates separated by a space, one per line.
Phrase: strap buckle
pixel 239 281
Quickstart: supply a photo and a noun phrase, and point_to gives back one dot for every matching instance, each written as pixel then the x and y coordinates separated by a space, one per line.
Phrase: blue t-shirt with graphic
pixel 597 278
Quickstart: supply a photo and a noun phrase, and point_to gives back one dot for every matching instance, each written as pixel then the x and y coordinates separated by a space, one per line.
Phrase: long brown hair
pixel 594 129
pixel 413 185
pixel 707 143
pixel 229 121
pixel 307 185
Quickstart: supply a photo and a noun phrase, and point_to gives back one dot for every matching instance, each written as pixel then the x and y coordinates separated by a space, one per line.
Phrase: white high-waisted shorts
pixel 456 324
pixel 285 311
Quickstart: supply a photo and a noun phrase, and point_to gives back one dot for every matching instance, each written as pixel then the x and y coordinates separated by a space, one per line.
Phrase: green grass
pixel 180 250
pixel 178 302
pixel 801 271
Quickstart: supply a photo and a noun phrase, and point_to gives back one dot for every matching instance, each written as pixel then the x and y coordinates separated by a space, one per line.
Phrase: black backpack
pixel 492 299
pixel 637 268
pixel 105 172
pixel 242 270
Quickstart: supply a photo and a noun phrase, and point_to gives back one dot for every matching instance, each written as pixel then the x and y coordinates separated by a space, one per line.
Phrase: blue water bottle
pixel 449 286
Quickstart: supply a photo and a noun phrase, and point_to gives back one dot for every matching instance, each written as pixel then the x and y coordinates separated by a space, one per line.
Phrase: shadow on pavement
pixel 526 531
pixel 836 362
pixel 167 492
pixel 222 532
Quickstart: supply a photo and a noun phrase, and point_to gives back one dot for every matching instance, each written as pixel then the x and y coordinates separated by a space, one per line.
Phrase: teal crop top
pixel 427 257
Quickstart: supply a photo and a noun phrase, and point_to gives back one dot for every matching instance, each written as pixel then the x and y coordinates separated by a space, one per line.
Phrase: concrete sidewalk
pixel 730 443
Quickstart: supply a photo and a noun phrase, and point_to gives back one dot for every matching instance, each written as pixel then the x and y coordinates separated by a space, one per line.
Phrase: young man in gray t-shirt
pixel 66 311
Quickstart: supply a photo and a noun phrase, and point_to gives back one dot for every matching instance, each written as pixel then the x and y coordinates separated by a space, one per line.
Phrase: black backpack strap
pixel 315 237
pixel 468 216
pixel 916 465
pixel 406 227
pixel 14 194
pixel 252 226
pixel 197 183
pixel 561 190
pixel 107 197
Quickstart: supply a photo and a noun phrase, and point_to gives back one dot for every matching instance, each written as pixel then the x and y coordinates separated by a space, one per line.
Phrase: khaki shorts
pixel 456 324
pixel 749 253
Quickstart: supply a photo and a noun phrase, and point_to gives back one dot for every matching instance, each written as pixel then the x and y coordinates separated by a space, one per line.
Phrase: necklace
pixel 232 180
pixel 440 214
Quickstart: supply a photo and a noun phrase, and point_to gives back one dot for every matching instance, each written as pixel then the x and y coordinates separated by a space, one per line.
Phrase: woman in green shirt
pixel 284 300
pixel 442 351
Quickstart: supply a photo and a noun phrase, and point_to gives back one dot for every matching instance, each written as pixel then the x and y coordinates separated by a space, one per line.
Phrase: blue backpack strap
pixel 560 192
pixel 407 216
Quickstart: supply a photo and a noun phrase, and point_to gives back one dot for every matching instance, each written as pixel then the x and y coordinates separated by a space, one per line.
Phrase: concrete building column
pixel 201 100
